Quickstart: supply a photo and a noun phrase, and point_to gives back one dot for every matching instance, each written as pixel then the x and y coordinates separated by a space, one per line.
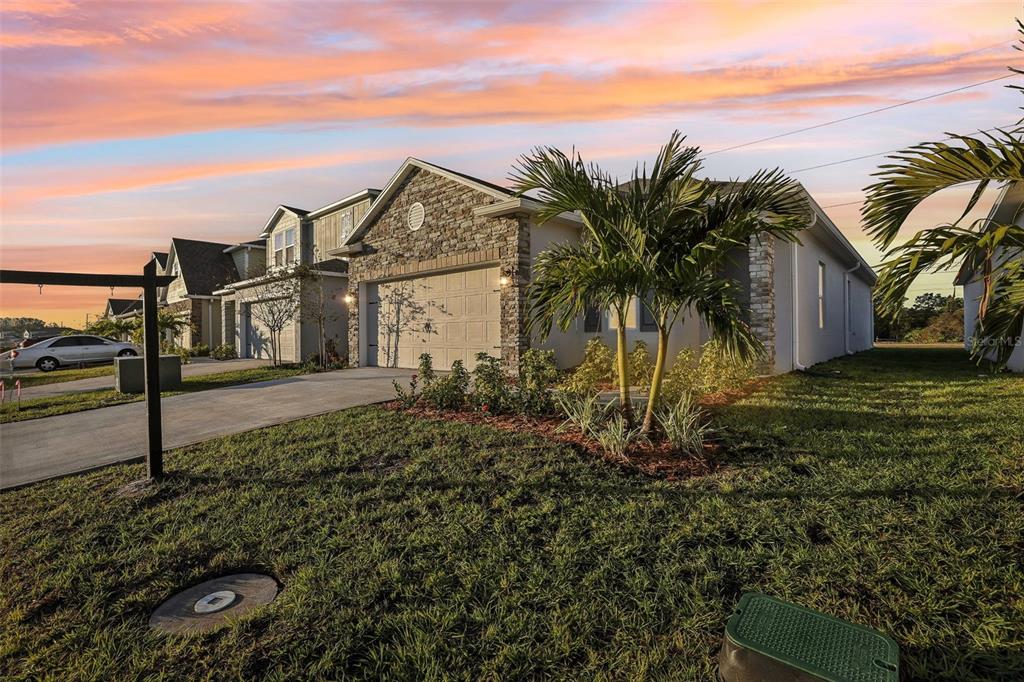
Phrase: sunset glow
pixel 127 123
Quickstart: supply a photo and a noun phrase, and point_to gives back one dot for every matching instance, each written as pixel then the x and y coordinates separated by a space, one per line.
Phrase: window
pixel 93 341
pixel 821 295
pixel 284 247
pixel 647 321
pixel 592 319
pixel 345 221
pixel 65 342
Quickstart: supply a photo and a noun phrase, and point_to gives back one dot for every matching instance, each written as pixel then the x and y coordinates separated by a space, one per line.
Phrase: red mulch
pixel 655 459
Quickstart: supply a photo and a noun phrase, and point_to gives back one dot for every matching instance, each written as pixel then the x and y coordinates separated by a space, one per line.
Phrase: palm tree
pixel 600 270
pixel 926 169
pixel 691 235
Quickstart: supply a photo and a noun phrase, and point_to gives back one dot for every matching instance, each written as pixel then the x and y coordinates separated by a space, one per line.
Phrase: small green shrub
pixel 684 425
pixel 537 374
pixel 448 392
pixel 426 370
pixel 200 350
pixel 490 385
pixel 641 367
pixel 583 412
pixel 183 353
pixel 597 369
pixel 616 437
pixel 406 398
pixel 713 371
pixel 224 352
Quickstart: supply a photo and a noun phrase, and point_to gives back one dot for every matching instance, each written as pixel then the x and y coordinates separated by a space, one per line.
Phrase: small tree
pixel 315 304
pixel 279 303
pixel 166 321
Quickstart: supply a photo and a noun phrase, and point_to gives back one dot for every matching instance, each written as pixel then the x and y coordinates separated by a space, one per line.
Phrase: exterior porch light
pixel 349 299
pixel 507 277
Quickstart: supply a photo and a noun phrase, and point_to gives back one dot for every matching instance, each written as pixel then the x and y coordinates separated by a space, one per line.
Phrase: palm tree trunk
pixel 622 361
pixel 659 373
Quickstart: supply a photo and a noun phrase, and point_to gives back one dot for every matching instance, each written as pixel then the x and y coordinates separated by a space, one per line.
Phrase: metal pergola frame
pixel 148 281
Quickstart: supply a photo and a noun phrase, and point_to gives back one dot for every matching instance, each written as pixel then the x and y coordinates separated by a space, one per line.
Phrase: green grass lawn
pixel 885 489
pixel 35 408
pixel 61 375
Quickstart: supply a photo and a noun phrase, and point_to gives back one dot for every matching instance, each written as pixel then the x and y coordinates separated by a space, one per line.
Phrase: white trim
pixel 834 232
pixel 247 247
pixel 340 203
pixel 846 306
pixel 278 212
pixel 522 205
pixel 396 180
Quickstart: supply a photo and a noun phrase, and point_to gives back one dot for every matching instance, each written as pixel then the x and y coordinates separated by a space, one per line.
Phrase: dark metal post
pixel 151 348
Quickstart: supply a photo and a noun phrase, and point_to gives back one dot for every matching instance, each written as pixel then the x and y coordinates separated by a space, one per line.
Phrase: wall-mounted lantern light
pixel 349 299
pixel 507 277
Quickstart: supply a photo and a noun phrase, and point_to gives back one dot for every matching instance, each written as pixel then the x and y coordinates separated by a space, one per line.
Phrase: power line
pixel 861 114
pixel 868 156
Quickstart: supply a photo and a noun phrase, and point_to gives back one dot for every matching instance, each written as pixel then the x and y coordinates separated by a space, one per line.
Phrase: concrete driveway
pixel 198 367
pixel 38 449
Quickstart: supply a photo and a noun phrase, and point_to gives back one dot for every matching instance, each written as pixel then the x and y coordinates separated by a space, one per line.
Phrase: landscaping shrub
pixel 617 436
pixel 426 370
pixel 711 372
pixel 641 367
pixel 490 386
pixel 583 412
pixel 200 350
pixel 183 353
pixel 684 425
pixel 447 392
pixel 537 374
pixel 597 369
pixel 406 398
pixel 224 352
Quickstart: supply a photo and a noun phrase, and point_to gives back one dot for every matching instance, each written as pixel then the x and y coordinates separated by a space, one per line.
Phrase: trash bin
pixel 768 640
pixel 130 374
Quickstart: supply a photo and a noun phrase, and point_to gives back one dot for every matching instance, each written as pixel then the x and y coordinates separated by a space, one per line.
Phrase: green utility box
pixel 769 640
pixel 130 374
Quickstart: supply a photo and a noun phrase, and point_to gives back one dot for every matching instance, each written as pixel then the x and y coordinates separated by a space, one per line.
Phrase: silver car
pixel 65 351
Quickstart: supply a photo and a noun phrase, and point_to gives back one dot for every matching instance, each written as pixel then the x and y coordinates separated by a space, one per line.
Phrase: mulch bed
pixel 655 459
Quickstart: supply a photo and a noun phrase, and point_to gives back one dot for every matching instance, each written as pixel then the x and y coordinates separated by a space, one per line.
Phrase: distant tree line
pixel 20 324
pixel 932 318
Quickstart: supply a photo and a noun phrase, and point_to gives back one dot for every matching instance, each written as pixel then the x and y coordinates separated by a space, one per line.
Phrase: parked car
pixel 63 351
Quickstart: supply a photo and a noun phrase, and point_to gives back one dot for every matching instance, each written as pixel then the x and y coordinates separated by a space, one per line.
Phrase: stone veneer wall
pixel 762 297
pixel 451 237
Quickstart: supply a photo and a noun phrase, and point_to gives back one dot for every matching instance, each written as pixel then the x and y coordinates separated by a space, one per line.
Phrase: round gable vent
pixel 416 214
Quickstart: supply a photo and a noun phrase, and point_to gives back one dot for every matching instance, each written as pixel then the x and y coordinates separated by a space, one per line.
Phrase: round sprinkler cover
pixel 209 605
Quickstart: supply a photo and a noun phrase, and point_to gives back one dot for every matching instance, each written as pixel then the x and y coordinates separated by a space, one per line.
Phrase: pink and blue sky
pixel 126 123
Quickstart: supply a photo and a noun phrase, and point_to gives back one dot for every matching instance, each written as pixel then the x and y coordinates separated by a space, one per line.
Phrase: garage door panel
pixel 452 316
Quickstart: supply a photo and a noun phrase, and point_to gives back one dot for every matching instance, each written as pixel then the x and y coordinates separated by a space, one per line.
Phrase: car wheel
pixel 47 364
pixel 127 353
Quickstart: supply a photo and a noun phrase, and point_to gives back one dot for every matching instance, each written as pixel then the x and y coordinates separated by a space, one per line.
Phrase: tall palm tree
pixel 691 236
pixel 600 270
pixel 926 169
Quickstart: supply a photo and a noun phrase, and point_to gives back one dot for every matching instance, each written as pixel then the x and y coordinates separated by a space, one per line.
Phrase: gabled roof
pixel 204 265
pixel 278 212
pixel 161 259
pixel 368 193
pixel 120 306
pixel 408 167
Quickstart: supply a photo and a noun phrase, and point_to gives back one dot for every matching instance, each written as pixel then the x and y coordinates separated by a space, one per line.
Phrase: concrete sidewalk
pixel 198 367
pixel 38 449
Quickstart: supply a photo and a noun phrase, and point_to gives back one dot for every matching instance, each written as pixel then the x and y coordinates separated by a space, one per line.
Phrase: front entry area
pixel 452 315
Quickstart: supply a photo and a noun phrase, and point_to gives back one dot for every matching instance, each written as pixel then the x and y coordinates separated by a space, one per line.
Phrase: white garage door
pixel 260 341
pixel 453 316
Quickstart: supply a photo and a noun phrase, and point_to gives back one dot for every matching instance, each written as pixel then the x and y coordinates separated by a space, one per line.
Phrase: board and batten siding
pixel 330 230
pixel 287 221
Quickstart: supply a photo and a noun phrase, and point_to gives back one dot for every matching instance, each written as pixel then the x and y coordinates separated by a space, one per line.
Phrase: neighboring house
pixel 1008 208
pixel 200 269
pixel 440 263
pixel 122 307
pixel 297 244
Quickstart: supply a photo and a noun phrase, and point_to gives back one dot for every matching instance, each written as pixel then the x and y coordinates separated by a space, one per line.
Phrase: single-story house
pixel 122 307
pixel 297 267
pixel 1007 209
pixel 440 261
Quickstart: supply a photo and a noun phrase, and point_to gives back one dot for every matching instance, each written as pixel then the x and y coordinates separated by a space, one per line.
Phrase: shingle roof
pixel 119 306
pixel 161 258
pixel 204 265
pixel 298 211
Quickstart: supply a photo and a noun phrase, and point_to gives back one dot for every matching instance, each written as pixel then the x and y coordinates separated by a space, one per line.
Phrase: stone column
pixel 353 323
pixel 227 325
pixel 762 297
pixel 515 262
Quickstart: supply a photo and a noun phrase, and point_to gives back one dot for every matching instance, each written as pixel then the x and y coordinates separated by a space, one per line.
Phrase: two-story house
pixel 296 243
